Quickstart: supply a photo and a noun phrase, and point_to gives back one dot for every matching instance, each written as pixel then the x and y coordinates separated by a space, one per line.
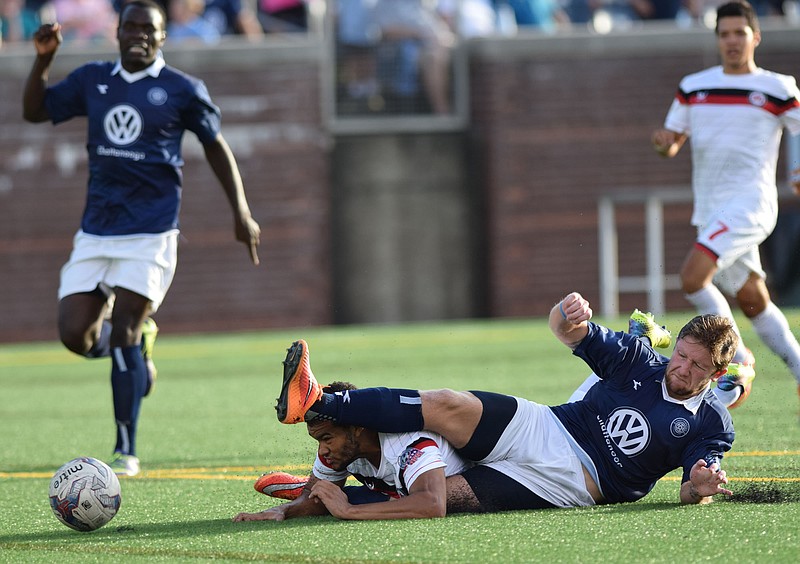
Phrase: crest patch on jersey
pixel 679 427
pixel 157 96
pixel 409 457
pixel 757 99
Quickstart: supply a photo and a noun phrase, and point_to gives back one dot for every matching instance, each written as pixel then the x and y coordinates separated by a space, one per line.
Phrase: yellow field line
pixel 245 473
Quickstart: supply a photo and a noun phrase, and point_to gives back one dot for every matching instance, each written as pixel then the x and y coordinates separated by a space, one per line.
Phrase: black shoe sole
pixel 293 356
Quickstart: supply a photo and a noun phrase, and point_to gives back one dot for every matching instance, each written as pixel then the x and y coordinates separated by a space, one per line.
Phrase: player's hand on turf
pixel 708 480
pixel 332 497
pixel 47 39
pixel 271 514
pixel 249 232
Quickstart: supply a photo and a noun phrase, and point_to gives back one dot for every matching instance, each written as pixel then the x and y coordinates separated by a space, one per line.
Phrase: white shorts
pixel 144 264
pixel 544 462
pixel 735 241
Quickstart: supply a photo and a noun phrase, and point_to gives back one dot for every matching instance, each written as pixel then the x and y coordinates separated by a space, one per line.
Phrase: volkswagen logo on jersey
pixel 757 99
pixel 679 427
pixel 123 124
pixel 629 429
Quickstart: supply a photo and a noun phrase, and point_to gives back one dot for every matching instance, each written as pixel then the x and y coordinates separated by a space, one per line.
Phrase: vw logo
pixel 123 124
pixel 629 430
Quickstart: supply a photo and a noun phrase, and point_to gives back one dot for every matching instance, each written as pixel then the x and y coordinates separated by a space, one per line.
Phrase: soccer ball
pixel 84 494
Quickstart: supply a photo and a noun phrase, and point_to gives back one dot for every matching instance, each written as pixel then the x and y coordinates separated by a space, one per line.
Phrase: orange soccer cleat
pixel 300 389
pixel 281 485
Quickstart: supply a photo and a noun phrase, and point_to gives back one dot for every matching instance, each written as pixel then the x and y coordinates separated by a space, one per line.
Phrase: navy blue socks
pixel 128 380
pixel 387 410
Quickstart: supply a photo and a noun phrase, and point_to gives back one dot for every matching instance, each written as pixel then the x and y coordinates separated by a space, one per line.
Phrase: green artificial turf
pixel 209 430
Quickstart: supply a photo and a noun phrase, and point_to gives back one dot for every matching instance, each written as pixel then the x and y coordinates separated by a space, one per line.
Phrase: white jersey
pixel 735 124
pixel 404 458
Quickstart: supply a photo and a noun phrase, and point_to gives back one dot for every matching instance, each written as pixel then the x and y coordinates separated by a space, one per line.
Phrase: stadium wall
pixel 498 218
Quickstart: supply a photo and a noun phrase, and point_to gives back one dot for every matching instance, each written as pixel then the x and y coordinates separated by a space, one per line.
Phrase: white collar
pixel 130 77
pixel 692 404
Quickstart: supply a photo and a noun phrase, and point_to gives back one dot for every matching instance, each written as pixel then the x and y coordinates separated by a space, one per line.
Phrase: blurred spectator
pixel 471 18
pixel 20 18
pixel 86 20
pixel 423 44
pixel 545 15
pixel 657 9
pixel 12 24
pixel 357 36
pixel 187 24
pixel 233 17
pixel 278 16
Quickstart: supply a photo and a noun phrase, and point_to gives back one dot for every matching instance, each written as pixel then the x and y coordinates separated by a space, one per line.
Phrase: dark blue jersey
pixel 629 427
pixel 135 127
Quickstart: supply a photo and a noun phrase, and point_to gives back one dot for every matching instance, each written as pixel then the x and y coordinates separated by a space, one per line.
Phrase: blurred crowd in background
pixel 201 21
pixel 392 56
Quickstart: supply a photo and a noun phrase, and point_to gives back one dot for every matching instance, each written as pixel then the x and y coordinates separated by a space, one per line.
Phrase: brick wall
pixel 555 122
pixel 271 119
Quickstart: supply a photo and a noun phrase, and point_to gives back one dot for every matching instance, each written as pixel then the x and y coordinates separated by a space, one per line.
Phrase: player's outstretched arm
pixel 427 497
pixel 704 483
pixel 303 506
pixel 568 319
pixel 47 40
pixel 223 163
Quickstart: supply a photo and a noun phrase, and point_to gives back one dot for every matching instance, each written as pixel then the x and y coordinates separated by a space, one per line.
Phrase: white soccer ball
pixel 85 494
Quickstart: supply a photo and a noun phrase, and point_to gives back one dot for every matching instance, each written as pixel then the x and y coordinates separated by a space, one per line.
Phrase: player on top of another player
pixel 734 114
pixel 282 485
pixel 125 252
pixel 647 416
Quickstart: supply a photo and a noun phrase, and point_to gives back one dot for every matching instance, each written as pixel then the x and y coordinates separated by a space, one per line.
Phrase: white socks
pixel 773 328
pixel 710 300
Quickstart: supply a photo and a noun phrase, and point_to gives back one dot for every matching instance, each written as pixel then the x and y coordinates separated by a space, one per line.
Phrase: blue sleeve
pixel 201 116
pixel 67 99
pixel 612 355
pixel 715 441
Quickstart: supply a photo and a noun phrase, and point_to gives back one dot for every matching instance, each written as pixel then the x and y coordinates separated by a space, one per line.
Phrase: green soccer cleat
pixel 644 325
pixel 149 334
pixel 124 464
pixel 738 374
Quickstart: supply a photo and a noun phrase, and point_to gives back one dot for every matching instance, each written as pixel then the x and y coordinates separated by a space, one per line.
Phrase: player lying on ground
pixel 420 472
pixel 286 486
pixel 648 416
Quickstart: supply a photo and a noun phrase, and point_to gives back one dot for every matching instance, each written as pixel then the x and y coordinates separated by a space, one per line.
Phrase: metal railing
pixel 655 282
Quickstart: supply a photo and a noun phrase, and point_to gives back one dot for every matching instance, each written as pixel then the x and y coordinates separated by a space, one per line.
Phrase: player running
pixel 125 252
pixel 735 114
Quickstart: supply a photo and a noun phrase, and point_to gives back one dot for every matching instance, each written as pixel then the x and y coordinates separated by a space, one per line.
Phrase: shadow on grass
pixel 173 529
